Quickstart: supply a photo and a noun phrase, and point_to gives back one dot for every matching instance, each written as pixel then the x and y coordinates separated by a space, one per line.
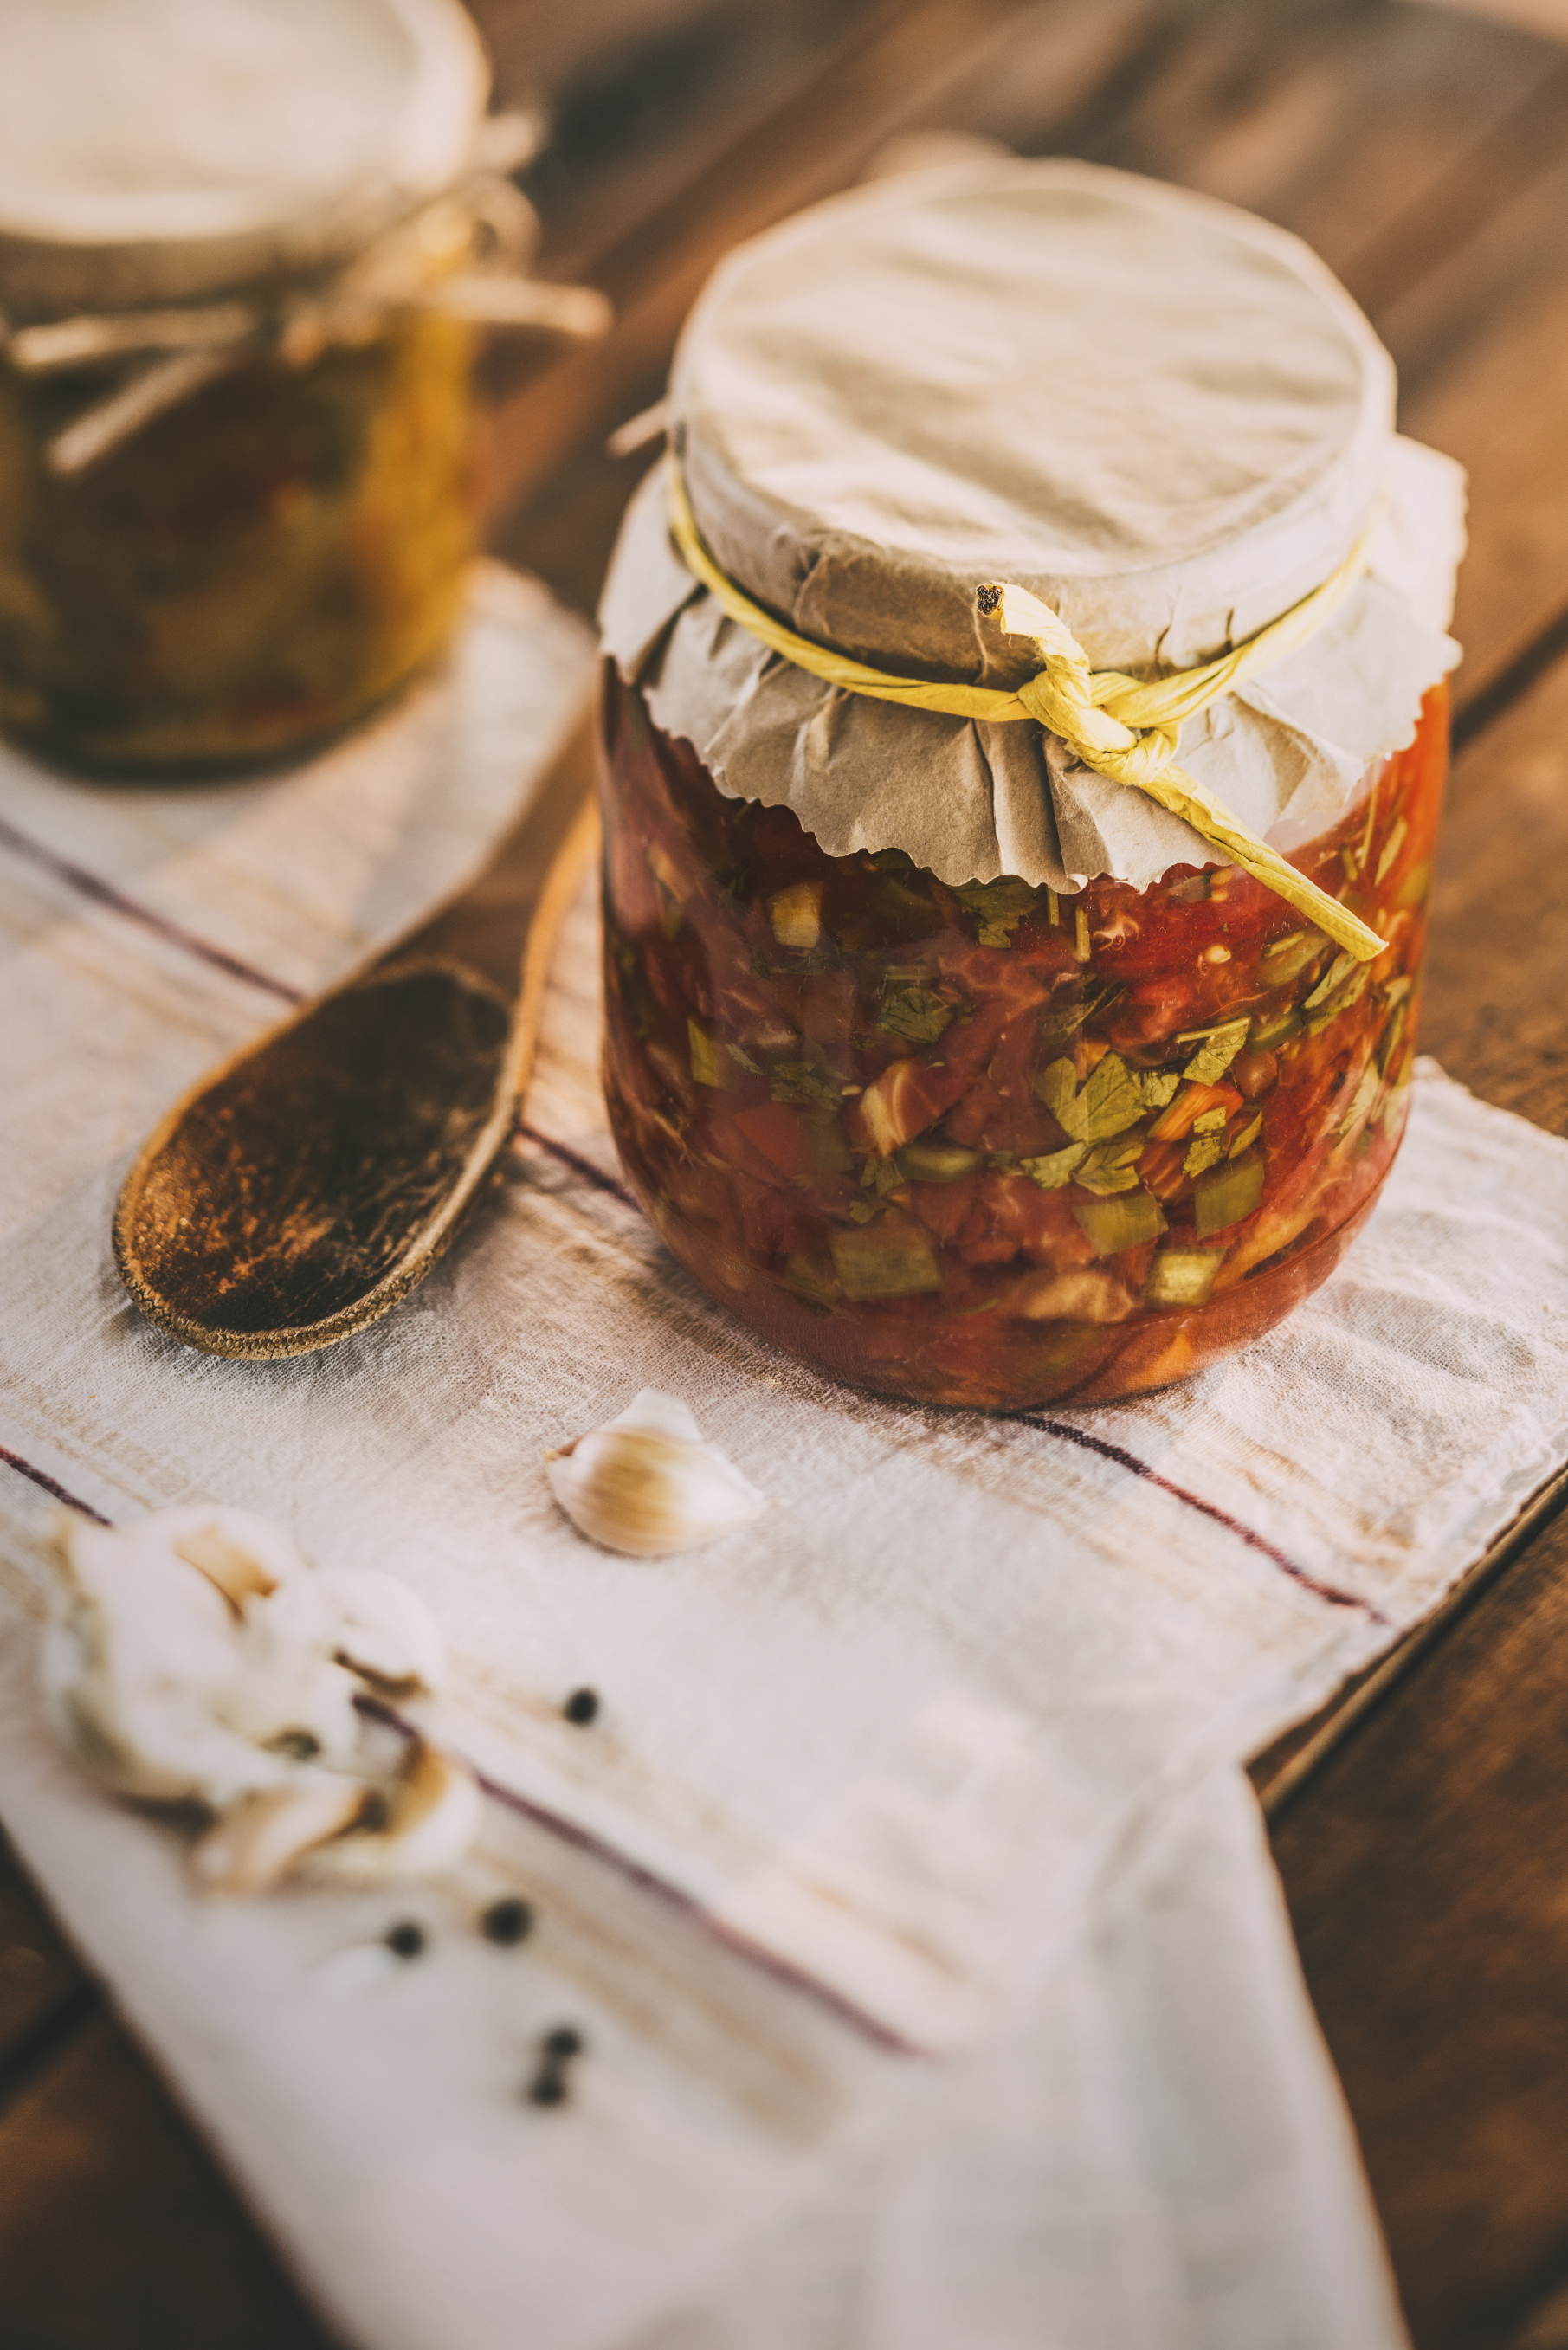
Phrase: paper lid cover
pixel 1161 415
pixel 160 149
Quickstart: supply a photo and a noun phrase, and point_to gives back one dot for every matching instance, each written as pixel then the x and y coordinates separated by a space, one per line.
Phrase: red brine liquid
pixel 984 1145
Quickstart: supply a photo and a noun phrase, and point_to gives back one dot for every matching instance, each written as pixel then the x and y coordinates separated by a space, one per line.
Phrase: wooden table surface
pixel 1425 154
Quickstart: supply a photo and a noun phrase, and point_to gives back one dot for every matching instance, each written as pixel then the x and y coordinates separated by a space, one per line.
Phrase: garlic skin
pixel 255 1842
pixel 648 1484
pixel 383 1629
pixel 196 1657
pixel 431 1817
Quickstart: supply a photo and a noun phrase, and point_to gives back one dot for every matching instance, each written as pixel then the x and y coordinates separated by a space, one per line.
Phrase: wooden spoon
pixel 314 1179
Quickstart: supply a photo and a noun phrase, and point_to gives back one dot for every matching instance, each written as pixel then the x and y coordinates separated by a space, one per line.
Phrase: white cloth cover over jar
pixel 1162 416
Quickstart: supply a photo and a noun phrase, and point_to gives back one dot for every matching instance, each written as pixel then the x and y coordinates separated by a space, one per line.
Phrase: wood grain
pixel 117 2232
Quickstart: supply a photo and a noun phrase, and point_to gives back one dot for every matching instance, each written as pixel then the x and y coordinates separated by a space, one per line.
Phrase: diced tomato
pixel 779 1133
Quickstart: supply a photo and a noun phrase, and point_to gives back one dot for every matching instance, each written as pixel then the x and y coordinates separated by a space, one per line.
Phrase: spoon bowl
pixel 310 1181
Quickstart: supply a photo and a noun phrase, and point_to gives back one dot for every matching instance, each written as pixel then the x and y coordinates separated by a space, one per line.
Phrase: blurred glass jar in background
pixel 245 247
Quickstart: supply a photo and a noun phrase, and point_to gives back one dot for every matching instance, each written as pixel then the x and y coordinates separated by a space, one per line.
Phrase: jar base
pixel 912 1354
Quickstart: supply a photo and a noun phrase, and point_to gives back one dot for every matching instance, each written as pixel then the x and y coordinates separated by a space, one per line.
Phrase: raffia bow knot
pixel 1118 726
pixel 1098 713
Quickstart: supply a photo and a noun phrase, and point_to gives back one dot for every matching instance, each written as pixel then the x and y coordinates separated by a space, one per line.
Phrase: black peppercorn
pixel 582 1707
pixel 557 2050
pixel 405 1940
pixel 507 1921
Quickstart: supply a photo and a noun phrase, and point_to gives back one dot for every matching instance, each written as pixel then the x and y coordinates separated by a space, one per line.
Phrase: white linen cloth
pixel 936 1985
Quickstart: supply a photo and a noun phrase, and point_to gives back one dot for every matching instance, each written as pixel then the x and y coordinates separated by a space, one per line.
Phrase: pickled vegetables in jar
pixel 988 1145
pixel 1024 747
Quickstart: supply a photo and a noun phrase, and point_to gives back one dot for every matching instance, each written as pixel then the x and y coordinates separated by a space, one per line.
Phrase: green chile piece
pixel 1182 1277
pixel 1271 1029
pixel 1227 1193
pixel 1339 970
pixel 1289 957
pixel 706 1066
pixel 1124 1221
pixel 828 1147
pixel 885 1260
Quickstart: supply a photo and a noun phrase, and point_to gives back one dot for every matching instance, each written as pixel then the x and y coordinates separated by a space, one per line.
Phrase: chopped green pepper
pixel 1338 971
pixel 1287 958
pixel 1182 1277
pixel 1412 887
pixel 1365 1094
pixel 1271 1029
pixel 803 1276
pixel 1122 1222
pixel 885 1260
pixel 1226 1194
pixel 705 1065
pixel 1391 847
pixel 828 1147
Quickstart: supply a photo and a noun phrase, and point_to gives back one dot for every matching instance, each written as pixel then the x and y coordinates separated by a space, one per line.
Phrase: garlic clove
pixel 648 1484
pixel 244 1556
pixel 287 1687
pixel 660 1415
pixel 432 1817
pixel 262 1836
pixel 140 1651
pixel 383 1629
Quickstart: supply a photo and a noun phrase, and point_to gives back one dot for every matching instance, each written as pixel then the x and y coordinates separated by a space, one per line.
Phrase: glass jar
pixel 251 570
pixel 242 253
pixel 990 1145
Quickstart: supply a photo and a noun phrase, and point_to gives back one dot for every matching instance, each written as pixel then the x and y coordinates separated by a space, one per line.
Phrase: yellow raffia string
pixel 1120 728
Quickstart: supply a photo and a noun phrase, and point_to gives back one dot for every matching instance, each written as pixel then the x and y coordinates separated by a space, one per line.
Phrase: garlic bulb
pixel 196 1657
pixel 648 1484
pixel 429 1816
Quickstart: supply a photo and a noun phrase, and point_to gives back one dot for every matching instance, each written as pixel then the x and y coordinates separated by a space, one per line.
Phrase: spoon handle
pixel 503 925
